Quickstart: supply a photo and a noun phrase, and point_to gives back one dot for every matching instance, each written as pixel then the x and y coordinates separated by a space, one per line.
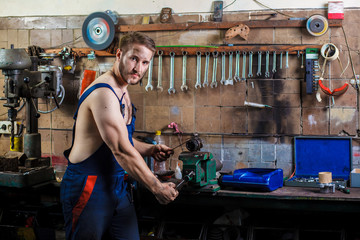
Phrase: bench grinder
pixel 200 166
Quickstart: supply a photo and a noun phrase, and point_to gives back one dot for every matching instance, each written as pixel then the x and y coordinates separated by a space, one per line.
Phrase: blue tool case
pixel 321 154
pixel 254 179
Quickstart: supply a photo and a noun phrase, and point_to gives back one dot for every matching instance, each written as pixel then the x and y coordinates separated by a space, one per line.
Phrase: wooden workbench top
pixel 295 193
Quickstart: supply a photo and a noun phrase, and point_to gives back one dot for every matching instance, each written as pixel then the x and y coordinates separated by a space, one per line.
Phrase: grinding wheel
pixel 98 30
pixel 317 25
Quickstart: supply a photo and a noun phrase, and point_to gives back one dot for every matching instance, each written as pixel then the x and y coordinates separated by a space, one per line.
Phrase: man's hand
pixel 161 152
pixel 167 193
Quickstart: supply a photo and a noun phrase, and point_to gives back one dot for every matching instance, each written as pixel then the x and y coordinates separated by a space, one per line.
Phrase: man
pixel 95 202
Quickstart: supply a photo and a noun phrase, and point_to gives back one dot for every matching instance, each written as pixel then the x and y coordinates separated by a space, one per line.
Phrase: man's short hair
pixel 136 38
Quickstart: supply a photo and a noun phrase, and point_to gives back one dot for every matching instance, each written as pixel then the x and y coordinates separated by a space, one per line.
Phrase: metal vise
pixel 202 164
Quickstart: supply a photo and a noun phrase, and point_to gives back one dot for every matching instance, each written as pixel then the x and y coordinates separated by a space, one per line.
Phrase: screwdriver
pixel 185 180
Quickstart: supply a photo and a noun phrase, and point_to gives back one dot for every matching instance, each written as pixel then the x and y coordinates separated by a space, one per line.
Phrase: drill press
pixel 200 166
pixel 24 81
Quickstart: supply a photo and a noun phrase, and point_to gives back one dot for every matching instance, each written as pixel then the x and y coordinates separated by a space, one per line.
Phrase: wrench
pixel 213 81
pixel 222 81
pixel 243 78
pixel 171 88
pixel 287 59
pixel 267 73
pixel 230 80
pixel 206 81
pixel 198 70
pixel 237 67
pixel 159 85
pixel 149 84
pixel 250 64
pixel 184 87
pixel 274 62
pixel 259 64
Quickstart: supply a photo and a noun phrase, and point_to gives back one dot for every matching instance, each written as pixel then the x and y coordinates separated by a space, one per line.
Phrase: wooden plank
pixel 82 52
pixel 178 50
pixel 219 25
pixel 292 49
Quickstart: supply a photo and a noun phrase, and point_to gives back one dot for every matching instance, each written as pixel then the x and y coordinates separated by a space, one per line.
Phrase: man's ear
pixel 118 53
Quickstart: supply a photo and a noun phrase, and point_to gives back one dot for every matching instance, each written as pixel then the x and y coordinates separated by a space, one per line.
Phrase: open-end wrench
pixel 267 73
pixel 171 88
pixel 237 67
pixel 274 62
pixel 287 59
pixel 250 64
pixel 281 57
pixel 149 84
pixel 213 81
pixel 243 74
pixel 206 74
pixel 222 81
pixel 184 87
pixel 159 85
pixel 259 64
pixel 198 70
pixel 230 80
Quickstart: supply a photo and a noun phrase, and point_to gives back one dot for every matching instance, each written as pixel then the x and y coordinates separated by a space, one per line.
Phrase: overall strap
pixel 90 90
pixel 84 96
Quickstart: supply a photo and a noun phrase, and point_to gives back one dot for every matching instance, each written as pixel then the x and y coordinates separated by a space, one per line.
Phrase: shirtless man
pixel 96 204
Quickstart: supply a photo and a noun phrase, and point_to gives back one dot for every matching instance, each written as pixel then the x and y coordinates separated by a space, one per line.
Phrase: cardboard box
pixel 355 177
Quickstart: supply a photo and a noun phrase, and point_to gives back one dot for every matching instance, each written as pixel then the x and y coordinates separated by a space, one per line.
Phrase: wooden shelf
pixel 219 25
pixel 192 50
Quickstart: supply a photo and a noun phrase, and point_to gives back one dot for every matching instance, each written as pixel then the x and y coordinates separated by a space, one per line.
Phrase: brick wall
pixel 237 135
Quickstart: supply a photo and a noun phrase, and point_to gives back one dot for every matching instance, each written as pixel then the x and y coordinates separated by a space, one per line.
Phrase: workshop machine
pixel 25 79
pixel 199 168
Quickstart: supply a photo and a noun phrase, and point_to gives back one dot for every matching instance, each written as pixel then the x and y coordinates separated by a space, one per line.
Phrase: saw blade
pixel 98 30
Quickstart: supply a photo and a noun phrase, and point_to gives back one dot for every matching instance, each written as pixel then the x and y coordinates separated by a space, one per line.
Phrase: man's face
pixel 134 63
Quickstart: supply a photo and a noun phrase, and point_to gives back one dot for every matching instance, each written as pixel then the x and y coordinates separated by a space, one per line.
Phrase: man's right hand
pixel 167 193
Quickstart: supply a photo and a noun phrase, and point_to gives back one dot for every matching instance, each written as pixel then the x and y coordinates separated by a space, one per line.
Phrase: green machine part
pixel 203 165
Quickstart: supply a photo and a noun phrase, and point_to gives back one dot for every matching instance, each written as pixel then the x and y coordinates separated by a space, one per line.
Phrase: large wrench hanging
pixel 230 80
pixel 243 74
pixel 267 73
pixel 259 64
pixel 198 70
pixel 274 62
pixel 213 81
pixel 237 67
pixel 149 84
pixel 206 74
pixel 250 64
pixel 184 87
pixel 159 85
pixel 222 81
pixel 171 88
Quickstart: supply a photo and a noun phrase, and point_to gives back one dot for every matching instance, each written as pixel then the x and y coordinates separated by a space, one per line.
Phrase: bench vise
pixel 203 165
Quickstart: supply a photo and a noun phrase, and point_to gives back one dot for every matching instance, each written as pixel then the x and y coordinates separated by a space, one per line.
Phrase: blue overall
pixel 95 202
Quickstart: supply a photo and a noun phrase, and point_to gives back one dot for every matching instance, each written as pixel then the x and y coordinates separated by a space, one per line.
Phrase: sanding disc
pixel 317 25
pixel 98 30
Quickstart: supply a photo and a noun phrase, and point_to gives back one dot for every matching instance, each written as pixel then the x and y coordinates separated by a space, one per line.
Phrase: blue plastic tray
pixel 258 179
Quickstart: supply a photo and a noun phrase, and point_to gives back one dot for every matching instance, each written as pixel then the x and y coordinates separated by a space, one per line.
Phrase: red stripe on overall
pixel 84 198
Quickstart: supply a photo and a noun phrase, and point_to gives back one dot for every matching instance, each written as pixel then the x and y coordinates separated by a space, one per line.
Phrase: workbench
pixel 294 209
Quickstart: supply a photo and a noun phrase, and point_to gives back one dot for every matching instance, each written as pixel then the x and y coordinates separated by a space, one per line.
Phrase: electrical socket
pixel 5 127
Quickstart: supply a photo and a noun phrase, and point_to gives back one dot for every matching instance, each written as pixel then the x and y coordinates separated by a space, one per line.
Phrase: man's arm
pixel 106 112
